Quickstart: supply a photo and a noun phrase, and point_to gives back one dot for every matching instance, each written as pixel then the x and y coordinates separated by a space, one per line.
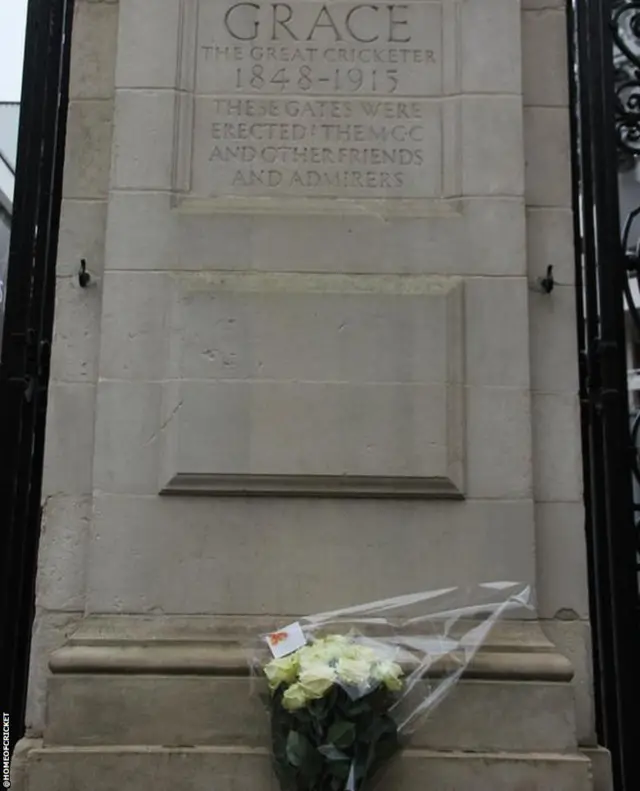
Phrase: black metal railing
pixel 604 136
pixel 24 365
pixel 625 29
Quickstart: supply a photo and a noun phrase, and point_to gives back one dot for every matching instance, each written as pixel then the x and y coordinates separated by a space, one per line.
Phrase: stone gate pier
pixel 313 368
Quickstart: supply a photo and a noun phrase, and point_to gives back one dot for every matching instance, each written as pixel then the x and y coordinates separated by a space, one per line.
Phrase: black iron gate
pixel 24 365
pixel 606 132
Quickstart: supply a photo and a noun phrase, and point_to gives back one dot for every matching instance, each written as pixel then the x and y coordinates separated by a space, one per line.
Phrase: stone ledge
pixel 133 768
pixel 375 486
pixel 220 646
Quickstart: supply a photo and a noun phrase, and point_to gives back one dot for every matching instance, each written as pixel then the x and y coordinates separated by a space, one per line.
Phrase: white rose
pixel 294 697
pixel 281 671
pixel 335 640
pixel 354 672
pixel 359 651
pixel 389 674
pixel 316 678
pixel 310 653
pixel 325 649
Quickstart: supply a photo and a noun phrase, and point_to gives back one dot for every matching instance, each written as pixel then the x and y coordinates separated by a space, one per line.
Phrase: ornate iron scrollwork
pixel 625 25
pixel 626 37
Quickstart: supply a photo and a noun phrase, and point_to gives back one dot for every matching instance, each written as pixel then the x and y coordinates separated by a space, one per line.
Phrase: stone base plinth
pixel 136 703
pixel 141 768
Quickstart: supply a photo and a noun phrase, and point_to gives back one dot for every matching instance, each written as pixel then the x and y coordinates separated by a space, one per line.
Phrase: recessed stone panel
pixel 314 384
pixel 347 100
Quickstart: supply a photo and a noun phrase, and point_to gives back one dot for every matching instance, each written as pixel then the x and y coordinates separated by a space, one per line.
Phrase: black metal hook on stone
pixel 84 278
pixel 547 283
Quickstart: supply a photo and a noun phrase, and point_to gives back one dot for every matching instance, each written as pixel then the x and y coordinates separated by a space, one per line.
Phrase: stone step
pixel 87 710
pixel 248 769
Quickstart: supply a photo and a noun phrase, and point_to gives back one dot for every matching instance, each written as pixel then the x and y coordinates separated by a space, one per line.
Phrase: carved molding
pixel 312 486
pixel 217 646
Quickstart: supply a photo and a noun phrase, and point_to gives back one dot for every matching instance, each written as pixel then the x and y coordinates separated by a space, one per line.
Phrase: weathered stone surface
pixel 560 546
pixel 554 341
pixel 491 68
pixel 492 146
pixel 148 51
pixel 487 772
pixel 50 631
pixel 64 533
pixel 235 556
pixel 601 768
pixel 142 140
pixel 353 437
pixel 127 709
pixel 69 440
pixel 557 447
pixel 548 156
pixel 499 442
pixel 103 768
pixel 550 242
pixel 494 356
pixel 93 52
pixel 135 324
pixel 76 340
pixel 486 238
pixel 127 437
pixel 89 129
pixel 82 235
pixel 542 5
pixel 573 638
pixel 545 76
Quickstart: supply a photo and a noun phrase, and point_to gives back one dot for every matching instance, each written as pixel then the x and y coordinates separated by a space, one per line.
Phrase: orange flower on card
pixel 278 637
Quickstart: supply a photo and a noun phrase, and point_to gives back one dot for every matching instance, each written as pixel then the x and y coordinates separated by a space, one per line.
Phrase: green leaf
pixel 333 697
pixel 357 707
pixel 342 733
pixel 311 766
pixel 302 716
pixel 318 708
pixel 331 752
pixel 382 744
pixel 297 748
pixel 339 769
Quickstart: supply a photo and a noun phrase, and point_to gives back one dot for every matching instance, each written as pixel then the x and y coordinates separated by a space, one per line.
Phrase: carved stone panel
pixel 317 385
pixel 320 101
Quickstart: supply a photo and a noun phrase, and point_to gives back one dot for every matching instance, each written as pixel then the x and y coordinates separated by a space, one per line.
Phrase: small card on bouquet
pixel 286 641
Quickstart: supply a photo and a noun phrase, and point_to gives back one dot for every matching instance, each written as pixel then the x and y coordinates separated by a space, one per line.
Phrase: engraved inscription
pixel 318 99
pixel 320 48
pixel 316 146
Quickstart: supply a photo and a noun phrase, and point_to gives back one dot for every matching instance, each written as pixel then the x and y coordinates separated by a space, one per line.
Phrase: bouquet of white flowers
pixel 330 703
pixel 340 699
